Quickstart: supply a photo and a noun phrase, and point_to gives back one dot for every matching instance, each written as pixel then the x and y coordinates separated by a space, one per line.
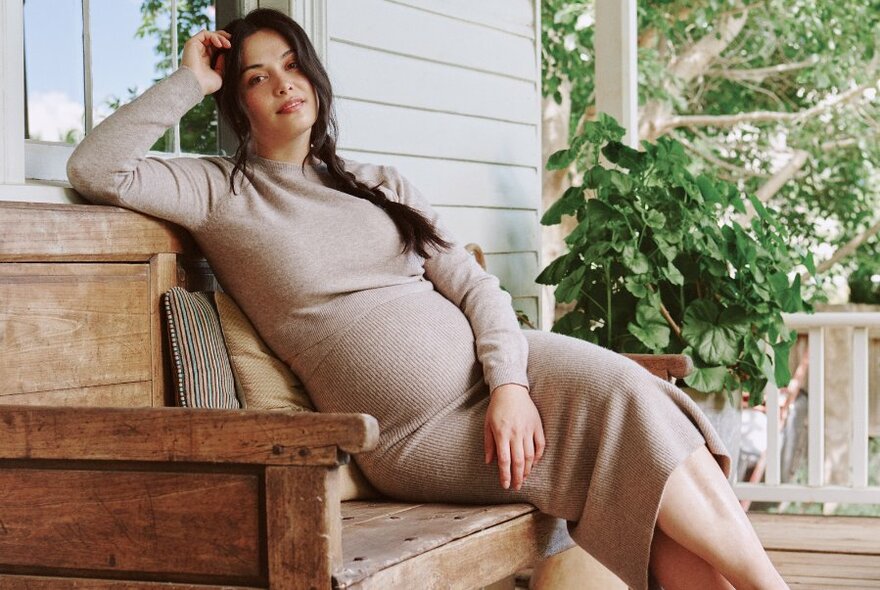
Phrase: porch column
pixel 616 45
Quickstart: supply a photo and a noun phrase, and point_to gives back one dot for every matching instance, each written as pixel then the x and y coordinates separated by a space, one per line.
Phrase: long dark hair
pixel 415 230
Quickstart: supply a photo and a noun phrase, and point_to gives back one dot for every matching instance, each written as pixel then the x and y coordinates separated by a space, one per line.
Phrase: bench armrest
pixel 183 434
pixel 666 366
pixel 209 435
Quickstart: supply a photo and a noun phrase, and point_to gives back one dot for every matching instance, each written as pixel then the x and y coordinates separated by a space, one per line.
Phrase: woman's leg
pixel 700 512
pixel 676 568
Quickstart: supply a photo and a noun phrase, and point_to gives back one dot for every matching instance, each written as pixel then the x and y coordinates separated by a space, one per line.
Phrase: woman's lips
pixel 291 106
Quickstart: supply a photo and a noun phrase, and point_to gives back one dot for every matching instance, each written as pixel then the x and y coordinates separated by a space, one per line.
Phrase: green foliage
pixel 567 52
pixel 864 281
pixel 192 16
pixel 198 128
pixel 658 264
pixel 788 57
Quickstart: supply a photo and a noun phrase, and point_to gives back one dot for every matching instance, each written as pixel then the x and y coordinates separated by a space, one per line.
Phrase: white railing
pixel 858 492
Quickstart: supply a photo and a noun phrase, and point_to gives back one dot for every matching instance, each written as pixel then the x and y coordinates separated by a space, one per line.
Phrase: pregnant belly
pixel 403 362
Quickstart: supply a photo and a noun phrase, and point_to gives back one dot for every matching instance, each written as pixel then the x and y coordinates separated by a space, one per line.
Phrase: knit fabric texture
pixel 419 343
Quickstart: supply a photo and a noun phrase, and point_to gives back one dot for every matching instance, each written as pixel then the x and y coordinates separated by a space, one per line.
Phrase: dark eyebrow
pixel 283 55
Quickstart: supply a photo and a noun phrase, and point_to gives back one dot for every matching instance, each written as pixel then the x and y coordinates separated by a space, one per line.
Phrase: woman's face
pixel 281 103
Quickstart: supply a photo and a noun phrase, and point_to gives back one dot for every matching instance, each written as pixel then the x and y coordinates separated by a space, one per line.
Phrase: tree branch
pixel 760 89
pixel 798 159
pixel 690 64
pixel 694 61
pixel 839 143
pixel 758 74
pixel 744 7
pixel 783 175
pixel 709 157
pixel 777 181
pixel 760 116
pixel 845 250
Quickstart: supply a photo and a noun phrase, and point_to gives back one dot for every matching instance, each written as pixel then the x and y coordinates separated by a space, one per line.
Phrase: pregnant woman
pixel 348 274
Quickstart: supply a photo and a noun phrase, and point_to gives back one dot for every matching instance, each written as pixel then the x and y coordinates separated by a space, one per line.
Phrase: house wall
pixel 445 90
pixel 448 91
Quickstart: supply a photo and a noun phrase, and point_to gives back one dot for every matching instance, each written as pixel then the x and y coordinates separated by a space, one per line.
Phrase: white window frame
pixel 32 170
pixel 12 93
pixel 46 160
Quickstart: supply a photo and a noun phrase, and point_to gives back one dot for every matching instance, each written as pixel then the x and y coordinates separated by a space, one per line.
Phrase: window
pixel 85 58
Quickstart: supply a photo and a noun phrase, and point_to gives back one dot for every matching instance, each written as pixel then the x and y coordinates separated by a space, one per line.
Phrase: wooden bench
pixel 105 487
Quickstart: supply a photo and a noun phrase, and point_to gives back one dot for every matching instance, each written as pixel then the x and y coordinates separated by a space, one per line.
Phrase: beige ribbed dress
pixel 418 343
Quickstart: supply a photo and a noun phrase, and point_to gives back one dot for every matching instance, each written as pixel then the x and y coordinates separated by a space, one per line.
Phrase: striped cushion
pixel 201 371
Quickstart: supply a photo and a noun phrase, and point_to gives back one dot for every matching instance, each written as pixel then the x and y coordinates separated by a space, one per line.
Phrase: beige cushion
pixel 265 382
pixel 353 485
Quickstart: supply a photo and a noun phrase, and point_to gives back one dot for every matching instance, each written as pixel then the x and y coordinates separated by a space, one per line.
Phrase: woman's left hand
pixel 513 430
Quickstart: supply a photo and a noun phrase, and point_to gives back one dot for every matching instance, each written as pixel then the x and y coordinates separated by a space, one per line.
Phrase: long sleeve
pixel 502 348
pixel 110 165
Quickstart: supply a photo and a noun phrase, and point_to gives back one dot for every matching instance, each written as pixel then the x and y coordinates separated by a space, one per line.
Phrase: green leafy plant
pixel 198 127
pixel 659 263
pixel 777 96
pixel 864 281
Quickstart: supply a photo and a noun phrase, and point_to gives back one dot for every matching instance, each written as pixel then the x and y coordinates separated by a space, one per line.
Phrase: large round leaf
pixel 716 342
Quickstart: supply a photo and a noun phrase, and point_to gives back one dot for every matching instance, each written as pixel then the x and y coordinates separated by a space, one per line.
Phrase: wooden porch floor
pixel 822 552
pixel 811 553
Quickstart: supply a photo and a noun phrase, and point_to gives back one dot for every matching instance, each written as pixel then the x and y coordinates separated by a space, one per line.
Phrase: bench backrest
pixel 80 314
pixel 80 318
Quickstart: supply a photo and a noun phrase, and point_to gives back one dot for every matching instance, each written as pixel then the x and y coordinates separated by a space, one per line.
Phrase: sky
pixel 54 62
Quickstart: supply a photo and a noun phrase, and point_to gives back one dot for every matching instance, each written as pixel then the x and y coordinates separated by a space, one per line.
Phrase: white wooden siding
pixel 468 183
pixel 513 16
pixel 402 130
pixel 447 91
pixel 498 231
pixel 518 271
pixel 413 31
pixel 373 75
pixel 11 93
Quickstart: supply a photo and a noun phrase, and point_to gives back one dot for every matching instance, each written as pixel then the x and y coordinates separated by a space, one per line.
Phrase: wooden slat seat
pixel 384 543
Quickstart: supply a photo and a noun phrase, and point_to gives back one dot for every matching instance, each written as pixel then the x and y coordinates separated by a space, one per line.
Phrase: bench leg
pixel 303 522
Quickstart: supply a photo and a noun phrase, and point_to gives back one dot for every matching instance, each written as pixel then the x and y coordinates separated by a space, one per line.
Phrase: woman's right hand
pixel 199 51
